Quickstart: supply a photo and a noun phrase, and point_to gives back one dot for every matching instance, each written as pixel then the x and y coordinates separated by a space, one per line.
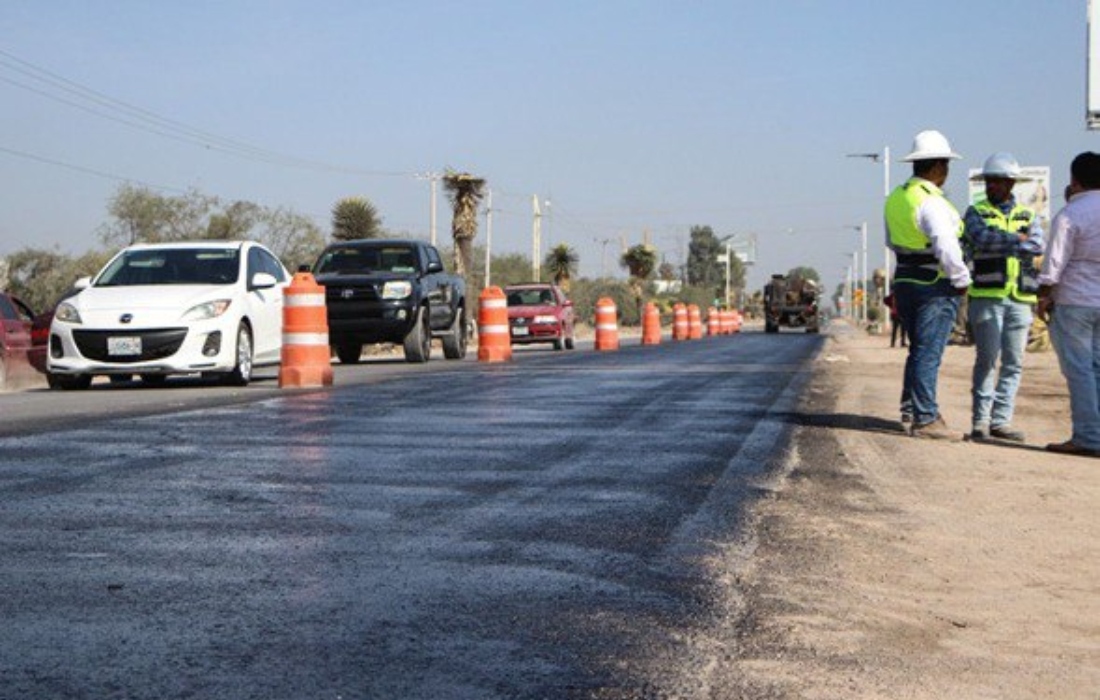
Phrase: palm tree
pixel 561 262
pixel 641 261
pixel 465 192
pixel 354 218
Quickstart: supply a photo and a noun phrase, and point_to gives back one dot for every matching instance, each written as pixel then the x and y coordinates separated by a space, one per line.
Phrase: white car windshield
pixel 172 266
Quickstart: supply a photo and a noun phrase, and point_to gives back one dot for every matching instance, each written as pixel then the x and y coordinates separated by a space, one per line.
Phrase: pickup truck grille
pixel 350 293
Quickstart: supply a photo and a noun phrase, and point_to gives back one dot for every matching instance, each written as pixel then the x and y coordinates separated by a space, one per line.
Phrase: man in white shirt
pixel 923 229
pixel 1069 299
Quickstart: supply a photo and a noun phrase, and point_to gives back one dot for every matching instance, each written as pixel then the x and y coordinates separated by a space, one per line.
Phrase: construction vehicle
pixel 791 301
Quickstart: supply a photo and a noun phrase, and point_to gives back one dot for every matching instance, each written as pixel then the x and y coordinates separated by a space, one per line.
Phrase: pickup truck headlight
pixel 397 290
pixel 210 309
pixel 545 319
pixel 67 312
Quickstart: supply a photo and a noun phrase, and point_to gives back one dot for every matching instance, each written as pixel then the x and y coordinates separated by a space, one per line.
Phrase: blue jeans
pixel 928 314
pixel 1075 331
pixel 1000 328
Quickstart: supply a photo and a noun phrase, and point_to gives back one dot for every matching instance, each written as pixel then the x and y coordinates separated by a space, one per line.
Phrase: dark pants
pixel 896 328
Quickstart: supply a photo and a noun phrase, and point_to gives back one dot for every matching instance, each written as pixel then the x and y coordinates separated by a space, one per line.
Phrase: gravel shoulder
pixel 888 567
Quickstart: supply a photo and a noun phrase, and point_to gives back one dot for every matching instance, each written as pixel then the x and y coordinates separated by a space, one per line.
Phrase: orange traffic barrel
pixel 651 325
pixel 607 325
pixel 494 341
pixel 306 359
pixel 679 322
pixel 695 322
pixel 725 321
pixel 714 322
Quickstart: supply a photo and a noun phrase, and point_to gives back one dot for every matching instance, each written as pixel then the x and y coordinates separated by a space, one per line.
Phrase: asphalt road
pixel 531 529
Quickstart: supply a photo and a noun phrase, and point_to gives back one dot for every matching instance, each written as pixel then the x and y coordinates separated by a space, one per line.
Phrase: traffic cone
pixel 695 322
pixel 607 325
pixel 651 325
pixel 494 341
pixel 714 322
pixel 679 322
pixel 306 360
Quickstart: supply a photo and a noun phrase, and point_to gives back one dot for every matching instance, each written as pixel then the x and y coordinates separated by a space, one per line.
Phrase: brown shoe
pixel 1069 448
pixel 934 430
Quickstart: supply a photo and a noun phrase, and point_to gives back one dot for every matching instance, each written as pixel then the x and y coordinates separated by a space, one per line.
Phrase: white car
pixel 214 307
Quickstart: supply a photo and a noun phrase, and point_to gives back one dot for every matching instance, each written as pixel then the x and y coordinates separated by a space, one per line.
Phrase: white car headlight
pixel 67 312
pixel 545 319
pixel 210 309
pixel 397 290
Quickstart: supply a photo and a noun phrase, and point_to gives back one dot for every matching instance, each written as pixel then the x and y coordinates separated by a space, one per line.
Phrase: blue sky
pixel 629 117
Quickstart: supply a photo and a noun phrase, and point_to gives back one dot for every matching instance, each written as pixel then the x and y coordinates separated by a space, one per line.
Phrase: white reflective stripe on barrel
pixel 305 338
pixel 493 330
pixel 305 299
pixel 494 303
pixel 606 327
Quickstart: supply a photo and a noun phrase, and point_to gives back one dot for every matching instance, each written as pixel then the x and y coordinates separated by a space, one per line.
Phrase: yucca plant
pixel 465 192
pixel 354 218
pixel 561 262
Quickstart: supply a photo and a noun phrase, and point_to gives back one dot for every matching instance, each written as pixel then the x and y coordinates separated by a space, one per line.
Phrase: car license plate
pixel 126 345
pixel 520 330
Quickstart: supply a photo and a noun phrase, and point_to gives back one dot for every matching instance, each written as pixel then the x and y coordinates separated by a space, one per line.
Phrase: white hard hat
pixel 930 145
pixel 1002 165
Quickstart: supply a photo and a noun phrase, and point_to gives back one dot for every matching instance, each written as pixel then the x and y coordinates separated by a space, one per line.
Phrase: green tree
pixel 354 218
pixel 293 237
pixel 641 261
pixel 39 277
pixel 465 192
pixel 806 273
pixel 234 222
pixel 703 268
pixel 561 262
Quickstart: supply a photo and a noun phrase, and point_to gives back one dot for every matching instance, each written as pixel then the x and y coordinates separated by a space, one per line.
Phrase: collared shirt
pixel 1072 261
pixel 980 237
pixel 940 221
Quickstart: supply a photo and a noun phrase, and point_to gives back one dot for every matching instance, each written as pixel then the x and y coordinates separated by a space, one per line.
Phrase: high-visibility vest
pixel 998 276
pixel 910 244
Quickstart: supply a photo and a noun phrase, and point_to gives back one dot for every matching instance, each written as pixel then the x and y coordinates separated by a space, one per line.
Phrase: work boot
pixel 980 432
pixel 933 430
pixel 1004 432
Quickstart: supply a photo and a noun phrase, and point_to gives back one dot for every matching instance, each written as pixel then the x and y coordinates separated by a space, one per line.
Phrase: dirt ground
pixel 889 567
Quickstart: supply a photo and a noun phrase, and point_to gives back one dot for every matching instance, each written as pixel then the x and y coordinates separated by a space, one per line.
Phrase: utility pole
pixel 433 178
pixel 488 238
pixel 536 239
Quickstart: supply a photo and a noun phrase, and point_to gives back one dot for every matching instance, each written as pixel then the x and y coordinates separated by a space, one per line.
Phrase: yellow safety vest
pixel 998 276
pixel 910 244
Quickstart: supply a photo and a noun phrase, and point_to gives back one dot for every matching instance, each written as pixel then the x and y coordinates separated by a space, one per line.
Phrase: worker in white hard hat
pixel 1001 239
pixel 923 229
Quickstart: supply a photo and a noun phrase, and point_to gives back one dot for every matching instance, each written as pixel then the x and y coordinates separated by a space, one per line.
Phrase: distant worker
pixel 896 329
pixel 923 229
pixel 1069 300
pixel 1001 240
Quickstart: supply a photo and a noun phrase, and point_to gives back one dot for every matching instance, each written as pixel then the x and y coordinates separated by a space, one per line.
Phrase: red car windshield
pixel 531 297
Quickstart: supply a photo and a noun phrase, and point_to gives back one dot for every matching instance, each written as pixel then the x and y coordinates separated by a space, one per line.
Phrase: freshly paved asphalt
pixel 532 529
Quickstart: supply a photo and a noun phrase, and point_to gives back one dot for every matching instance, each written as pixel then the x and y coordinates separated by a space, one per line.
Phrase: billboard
pixel 1092 67
pixel 1032 191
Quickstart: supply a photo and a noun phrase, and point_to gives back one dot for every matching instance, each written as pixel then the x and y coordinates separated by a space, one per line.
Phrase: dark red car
pixel 540 313
pixel 15 340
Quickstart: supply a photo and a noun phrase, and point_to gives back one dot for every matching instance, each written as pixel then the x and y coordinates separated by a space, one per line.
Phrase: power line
pixel 95 102
pixel 86 170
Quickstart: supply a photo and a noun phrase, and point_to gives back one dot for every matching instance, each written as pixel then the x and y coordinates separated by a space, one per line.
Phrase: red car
pixel 15 340
pixel 540 313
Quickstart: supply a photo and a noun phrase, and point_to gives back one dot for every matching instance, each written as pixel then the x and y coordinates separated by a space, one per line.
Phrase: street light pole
pixel 433 178
pixel 885 158
pixel 489 239
pixel 863 248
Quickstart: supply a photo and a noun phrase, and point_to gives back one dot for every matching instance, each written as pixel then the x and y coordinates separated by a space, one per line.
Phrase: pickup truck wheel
pixel 557 344
pixel 569 343
pixel 454 343
pixel 349 353
pixel 418 341
pixel 770 327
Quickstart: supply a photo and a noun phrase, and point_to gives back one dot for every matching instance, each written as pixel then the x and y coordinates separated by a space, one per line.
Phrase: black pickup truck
pixel 391 291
